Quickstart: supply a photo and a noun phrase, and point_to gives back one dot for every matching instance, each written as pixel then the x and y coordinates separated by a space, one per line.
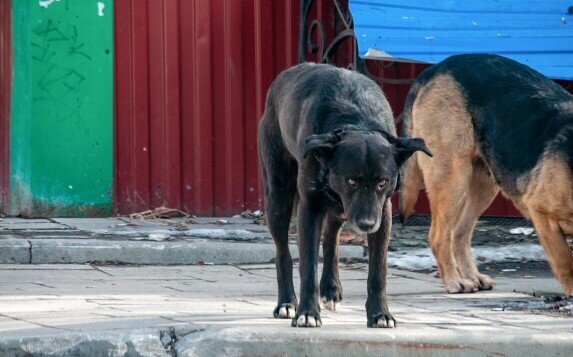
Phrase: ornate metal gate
pixel 326 35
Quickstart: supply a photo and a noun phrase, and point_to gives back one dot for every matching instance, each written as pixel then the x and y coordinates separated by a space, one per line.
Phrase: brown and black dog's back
pixel 492 123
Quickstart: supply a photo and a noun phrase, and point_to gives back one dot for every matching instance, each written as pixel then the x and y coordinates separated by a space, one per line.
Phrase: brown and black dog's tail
pixel 411 179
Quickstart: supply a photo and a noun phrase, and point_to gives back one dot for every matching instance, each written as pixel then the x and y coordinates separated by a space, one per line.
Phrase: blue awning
pixel 538 33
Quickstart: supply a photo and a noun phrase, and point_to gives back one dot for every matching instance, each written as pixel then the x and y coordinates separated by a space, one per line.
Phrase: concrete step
pixel 85 310
pixel 114 251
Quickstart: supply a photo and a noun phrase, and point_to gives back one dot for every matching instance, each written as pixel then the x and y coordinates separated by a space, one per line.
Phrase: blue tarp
pixel 538 33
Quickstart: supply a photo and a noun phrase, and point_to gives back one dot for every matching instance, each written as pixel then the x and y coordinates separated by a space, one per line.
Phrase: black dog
pixel 328 134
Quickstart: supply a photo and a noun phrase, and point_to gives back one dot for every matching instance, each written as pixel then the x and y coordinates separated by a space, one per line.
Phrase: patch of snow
pixel 158 236
pixel 420 259
pixel 240 234
pixel 133 232
pixel 521 230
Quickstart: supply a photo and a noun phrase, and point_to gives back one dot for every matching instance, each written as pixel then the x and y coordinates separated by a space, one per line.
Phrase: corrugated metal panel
pixel 191 78
pixel 191 143
pixel 396 95
pixel 5 93
pixel 538 33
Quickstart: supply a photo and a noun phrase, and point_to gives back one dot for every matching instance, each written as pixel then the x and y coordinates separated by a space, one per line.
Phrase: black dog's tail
pixel 410 174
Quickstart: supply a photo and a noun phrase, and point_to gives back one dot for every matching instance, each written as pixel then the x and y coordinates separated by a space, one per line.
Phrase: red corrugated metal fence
pixel 191 79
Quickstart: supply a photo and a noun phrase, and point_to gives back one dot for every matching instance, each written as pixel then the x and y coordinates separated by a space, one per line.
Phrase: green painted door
pixel 61 126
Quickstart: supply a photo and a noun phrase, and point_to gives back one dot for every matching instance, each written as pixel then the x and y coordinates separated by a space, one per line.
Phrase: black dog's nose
pixel 366 225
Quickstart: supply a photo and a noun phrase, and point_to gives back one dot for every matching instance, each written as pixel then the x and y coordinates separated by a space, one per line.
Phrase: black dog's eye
pixel 381 184
pixel 351 182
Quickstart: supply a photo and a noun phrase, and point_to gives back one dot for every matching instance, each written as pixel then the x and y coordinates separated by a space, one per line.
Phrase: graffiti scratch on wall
pixel 59 77
pixel 61 127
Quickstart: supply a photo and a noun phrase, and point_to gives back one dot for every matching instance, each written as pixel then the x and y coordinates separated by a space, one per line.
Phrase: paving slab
pixel 25 224
pixel 8 221
pixel 216 228
pixel 90 224
pixel 227 310
pixel 532 286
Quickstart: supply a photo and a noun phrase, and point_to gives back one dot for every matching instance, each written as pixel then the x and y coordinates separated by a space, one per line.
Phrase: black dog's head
pixel 362 168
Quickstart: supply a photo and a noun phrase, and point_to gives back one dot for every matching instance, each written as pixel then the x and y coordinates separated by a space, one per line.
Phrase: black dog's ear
pixel 405 147
pixel 321 146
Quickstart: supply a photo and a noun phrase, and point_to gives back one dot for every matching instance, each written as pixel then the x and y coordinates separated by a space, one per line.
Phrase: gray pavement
pixel 227 310
pixel 204 287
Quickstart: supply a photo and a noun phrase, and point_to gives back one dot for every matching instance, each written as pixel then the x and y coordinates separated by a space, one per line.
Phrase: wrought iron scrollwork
pixel 314 33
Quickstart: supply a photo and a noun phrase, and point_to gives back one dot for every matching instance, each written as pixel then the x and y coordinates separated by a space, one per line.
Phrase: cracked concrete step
pixel 285 341
pixel 80 251
pixel 14 251
pixel 189 340
pixel 144 342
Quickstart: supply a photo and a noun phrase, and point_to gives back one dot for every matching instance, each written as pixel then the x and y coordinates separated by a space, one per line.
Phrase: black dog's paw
pixel 331 295
pixel 307 319
pixel 285 311
pixel 382 320
pixel 331 305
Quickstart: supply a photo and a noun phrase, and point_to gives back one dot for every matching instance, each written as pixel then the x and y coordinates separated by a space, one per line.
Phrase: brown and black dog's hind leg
pixel 448 176
pixel 330 286
pixel 558 251
pixel 481 191
pixel 548 200
pixel 279 184
pixel 446 193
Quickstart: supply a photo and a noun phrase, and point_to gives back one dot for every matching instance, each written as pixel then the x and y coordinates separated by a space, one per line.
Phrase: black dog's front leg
pixel 377 311
pixel 330 286
pixel 309 229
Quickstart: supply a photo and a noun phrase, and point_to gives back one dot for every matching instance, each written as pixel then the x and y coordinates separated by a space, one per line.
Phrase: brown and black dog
pixel 492 124
pixel 328 136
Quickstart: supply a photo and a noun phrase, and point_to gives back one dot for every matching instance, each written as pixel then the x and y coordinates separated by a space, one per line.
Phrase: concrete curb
pixel 81 251
pixel 146 342
pixel 287 341
pixel 14 251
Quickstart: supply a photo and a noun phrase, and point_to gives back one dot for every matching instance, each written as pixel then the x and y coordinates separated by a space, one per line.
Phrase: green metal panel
pixel 61 134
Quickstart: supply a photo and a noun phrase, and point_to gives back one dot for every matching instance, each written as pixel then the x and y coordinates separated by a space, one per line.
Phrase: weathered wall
pixel 62 108
pixel 5 95
pixel 191 78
